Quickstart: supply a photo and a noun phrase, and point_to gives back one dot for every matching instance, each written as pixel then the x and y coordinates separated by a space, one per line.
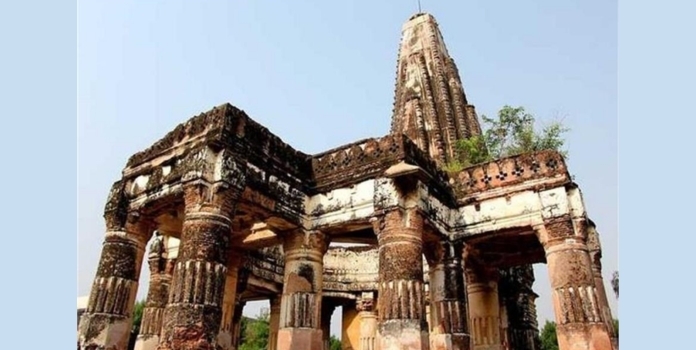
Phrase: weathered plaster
pixel 340 205
pixel 212 179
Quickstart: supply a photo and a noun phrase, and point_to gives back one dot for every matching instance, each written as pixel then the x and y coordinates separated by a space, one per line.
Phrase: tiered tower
pixel 431 108
pixel 430 105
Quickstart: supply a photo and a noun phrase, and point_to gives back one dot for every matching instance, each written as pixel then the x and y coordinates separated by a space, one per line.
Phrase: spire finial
pixel 419 7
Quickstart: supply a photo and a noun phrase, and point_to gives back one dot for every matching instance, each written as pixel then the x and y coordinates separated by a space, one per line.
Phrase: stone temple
pixel 233 214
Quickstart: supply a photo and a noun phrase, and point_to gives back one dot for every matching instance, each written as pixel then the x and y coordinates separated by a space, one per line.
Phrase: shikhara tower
pixel 430 106
pixel 444 262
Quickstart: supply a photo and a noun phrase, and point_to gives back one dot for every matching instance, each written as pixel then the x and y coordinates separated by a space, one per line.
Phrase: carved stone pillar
pixel 368 322
pixel 401 306
pixel 226 333
pixel 449 330
pixel 300 315
pixel 157 295
pixel 193 315
pixel 107 321
pixel 235 283
pixel 237 323
pixel 520 329
pixel 579 325
pixel 484 307
pixel 428 310
pixel 504 325
pixel 595 251
pixel 274 323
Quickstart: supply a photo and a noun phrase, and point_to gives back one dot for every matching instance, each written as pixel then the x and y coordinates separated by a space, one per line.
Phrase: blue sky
pixel 321 74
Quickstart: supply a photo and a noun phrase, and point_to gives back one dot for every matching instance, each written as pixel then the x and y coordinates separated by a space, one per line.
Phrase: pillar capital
pixel 401 224
pixel 274 303
pixel 116 208
pixel 305 244
pixel 157 255
pixel 202 199
pixel 563 231
pixel 229 170
pixel 365 305
pixel 481 275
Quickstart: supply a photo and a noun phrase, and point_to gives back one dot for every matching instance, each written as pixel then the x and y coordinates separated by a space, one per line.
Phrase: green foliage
pixel 137 316
pixel 615 283
pixel 453 167
pixel 548 336
pixel 254 333
pixel 473 150
pixel 512 133
pixel 334 343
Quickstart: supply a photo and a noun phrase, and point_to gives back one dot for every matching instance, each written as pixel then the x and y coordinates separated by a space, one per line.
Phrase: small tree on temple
pixel 512 133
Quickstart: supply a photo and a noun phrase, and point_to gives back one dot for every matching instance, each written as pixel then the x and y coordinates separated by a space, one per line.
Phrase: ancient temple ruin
pixel 444 262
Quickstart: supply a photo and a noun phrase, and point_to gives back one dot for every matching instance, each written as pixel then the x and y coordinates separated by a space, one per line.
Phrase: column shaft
pixel 157 296
pixel 368 324
pixel 233 288
pixel 300 310
pixel 274 323
pixel 595 251
pixel 579 324
pixel 484 308
pixel 237 323
pixel 449 330
pixel 192 318
pixel 519 329
pixel 106 324
pixel 401 306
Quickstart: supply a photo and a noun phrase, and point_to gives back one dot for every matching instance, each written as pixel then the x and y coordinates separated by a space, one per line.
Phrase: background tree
pixel 615 283
pixel 137 320
pixel 254 333
pixel 512 133
pixel 334 343
pixel 137 316
pixel 548 336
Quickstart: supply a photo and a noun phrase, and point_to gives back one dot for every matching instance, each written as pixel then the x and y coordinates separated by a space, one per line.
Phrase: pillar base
pixel 224 341
pixel 450 342
pixel 101 331
pixel 300 339
pixel 583 337
pixel 146 342
pixel 403 335
pixel 488 347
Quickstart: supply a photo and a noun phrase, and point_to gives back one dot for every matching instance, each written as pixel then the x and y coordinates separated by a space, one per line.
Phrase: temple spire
pixel 430 106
